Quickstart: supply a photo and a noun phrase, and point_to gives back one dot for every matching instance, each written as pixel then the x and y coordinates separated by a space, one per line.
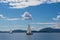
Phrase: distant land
pixel 49 30
pixel 45 30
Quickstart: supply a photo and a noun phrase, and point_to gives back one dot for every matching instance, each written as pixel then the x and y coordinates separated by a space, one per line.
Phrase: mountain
pixel 49 29
pixel 44 30
pixel 17 31
pixel 4 31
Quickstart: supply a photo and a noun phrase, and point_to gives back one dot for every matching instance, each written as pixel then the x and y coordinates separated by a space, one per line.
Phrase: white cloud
pixel 55 26
pixel 24 4
pixel 36 28
pixel 3 1
pixel 44 23
pixel 27 3
pixel 5 18
pixel 26 16
pixel 13 19
pixel 1 16
pixel 57 18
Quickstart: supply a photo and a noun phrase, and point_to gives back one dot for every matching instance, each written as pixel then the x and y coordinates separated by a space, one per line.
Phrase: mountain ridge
pixel 44 30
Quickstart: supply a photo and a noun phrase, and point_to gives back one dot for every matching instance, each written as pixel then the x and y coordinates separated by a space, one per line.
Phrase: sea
pixel 35 36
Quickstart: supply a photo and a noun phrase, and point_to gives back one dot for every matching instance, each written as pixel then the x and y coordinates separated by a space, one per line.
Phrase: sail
pixel 28 29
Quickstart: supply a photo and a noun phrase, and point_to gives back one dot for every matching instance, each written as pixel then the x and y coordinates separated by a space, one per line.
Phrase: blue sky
pixel 43 15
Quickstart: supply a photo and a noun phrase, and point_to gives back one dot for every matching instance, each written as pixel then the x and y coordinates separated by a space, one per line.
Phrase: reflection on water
pixel 18 36
pixel 10 37
pixel 35 36
pixel 29 37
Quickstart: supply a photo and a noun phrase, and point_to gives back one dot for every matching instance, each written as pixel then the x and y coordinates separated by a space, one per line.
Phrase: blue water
pixel 35 36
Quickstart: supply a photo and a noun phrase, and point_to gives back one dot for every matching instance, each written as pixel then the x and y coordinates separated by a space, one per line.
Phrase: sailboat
pixel 10 31
pixel 29 30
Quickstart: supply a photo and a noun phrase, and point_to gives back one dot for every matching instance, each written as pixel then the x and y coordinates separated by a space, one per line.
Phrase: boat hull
pixel 29 33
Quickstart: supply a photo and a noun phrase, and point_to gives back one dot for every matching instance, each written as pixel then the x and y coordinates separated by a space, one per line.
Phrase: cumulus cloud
pixel 26 16
pixel 44 23
pixel 27 3
pixel 1 16
pixel 13 19
pixel 57 18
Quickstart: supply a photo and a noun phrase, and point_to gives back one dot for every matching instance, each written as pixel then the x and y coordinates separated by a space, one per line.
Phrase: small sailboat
pixel 29 30
pixel 10 31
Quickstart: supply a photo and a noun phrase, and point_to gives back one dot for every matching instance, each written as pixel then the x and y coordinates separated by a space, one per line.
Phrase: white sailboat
pixel 10 31
pixel 29 30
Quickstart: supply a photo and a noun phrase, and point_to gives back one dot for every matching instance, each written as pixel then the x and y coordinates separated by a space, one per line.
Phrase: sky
pixel 17 14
